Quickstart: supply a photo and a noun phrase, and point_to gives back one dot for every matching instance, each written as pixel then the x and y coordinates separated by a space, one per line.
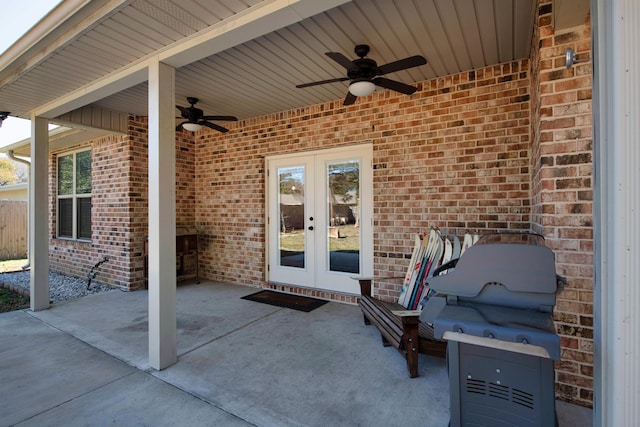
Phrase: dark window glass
pixel 84 218
pixel 65 218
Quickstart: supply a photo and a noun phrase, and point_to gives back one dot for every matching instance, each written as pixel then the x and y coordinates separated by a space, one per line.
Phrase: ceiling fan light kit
pixel 192 127
pixel 362 88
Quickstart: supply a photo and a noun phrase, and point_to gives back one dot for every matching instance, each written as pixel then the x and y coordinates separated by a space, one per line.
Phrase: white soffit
pixel 244 57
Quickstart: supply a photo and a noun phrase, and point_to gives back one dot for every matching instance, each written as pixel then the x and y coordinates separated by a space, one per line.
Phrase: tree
pixel 344 180
pixel 7 172
pixel 290 183
pixel 22 171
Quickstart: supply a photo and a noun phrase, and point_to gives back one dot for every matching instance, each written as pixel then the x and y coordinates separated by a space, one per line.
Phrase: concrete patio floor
pixel 239 363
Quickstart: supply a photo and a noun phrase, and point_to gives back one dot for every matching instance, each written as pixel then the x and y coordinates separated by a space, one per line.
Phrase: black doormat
pixel 281 299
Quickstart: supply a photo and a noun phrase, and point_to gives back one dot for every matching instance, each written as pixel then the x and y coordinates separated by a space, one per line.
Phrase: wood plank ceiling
pixel 258 77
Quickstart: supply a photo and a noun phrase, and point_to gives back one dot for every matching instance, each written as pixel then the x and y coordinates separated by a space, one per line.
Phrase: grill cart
pixel 495 308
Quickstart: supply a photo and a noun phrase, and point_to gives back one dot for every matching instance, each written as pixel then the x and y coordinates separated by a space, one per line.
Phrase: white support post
pixel 162 217
pixel 616 105
pixel 39 214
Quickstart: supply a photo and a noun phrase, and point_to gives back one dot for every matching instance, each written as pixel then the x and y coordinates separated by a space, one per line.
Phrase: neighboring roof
pixel 244 58
pixel 15 192
pixel 59 137
pixel 14 187
pixel 292 199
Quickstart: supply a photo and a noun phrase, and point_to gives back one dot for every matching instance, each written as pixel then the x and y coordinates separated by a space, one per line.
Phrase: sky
pixel 16 18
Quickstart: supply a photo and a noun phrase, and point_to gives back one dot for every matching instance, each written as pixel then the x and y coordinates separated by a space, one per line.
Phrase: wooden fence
pixel 13 229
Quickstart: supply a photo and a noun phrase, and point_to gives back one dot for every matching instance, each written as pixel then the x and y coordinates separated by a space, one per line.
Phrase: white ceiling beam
pixel 256 21
pixel 113 83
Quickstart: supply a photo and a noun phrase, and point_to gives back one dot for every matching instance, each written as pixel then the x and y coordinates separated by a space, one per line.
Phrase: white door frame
pixel 363 152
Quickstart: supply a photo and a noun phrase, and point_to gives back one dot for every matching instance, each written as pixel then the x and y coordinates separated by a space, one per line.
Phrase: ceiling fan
pixel 3 116
pixel 195 118
pixel 364 74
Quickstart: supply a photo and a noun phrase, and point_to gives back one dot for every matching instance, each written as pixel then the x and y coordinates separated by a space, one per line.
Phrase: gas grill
pixel 495 310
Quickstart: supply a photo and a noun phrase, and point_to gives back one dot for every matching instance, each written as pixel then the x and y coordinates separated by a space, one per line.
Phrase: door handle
pixel 311 228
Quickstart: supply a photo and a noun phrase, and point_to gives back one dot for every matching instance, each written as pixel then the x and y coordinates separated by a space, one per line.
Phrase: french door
pixel 319 218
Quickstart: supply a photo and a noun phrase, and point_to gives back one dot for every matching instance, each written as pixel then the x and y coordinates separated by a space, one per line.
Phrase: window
pixel 74 195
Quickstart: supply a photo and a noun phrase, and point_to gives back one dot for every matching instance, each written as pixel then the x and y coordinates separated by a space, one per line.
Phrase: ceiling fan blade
pixel 394 85
pixel 183 110
pixel 349 99
pixel 340 59
pixel 339 79
pixel 402 64
pixel 214 126
pixel 221 118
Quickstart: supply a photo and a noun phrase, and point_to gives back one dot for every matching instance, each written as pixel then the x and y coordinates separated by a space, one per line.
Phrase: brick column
pixel 562 191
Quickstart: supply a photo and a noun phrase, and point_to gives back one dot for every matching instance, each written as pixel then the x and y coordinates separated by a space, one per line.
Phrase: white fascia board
pixel 60 27
pixel 41 30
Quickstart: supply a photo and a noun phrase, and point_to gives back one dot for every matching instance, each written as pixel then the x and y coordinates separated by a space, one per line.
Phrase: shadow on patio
pixel 240 363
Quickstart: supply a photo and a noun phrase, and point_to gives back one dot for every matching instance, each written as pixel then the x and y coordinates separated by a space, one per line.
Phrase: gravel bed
pixel 61 287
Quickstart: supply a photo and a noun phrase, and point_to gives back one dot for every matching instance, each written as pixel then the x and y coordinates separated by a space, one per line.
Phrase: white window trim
pixel 74 196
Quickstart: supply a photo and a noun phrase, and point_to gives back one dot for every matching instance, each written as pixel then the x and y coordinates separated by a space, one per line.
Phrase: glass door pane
pixel 291 213
pixel 343 212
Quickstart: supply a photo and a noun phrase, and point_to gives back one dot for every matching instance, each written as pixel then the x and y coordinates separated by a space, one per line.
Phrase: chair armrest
pixel 366 282
pixel 406 313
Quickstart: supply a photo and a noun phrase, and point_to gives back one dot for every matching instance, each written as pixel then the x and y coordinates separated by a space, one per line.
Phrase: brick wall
pixel 506 147
pixel 453 155
pixel 109 216
pixel 562 191
pixel 120 207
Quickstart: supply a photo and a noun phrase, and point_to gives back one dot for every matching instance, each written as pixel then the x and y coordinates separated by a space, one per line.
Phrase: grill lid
pixel 519 263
